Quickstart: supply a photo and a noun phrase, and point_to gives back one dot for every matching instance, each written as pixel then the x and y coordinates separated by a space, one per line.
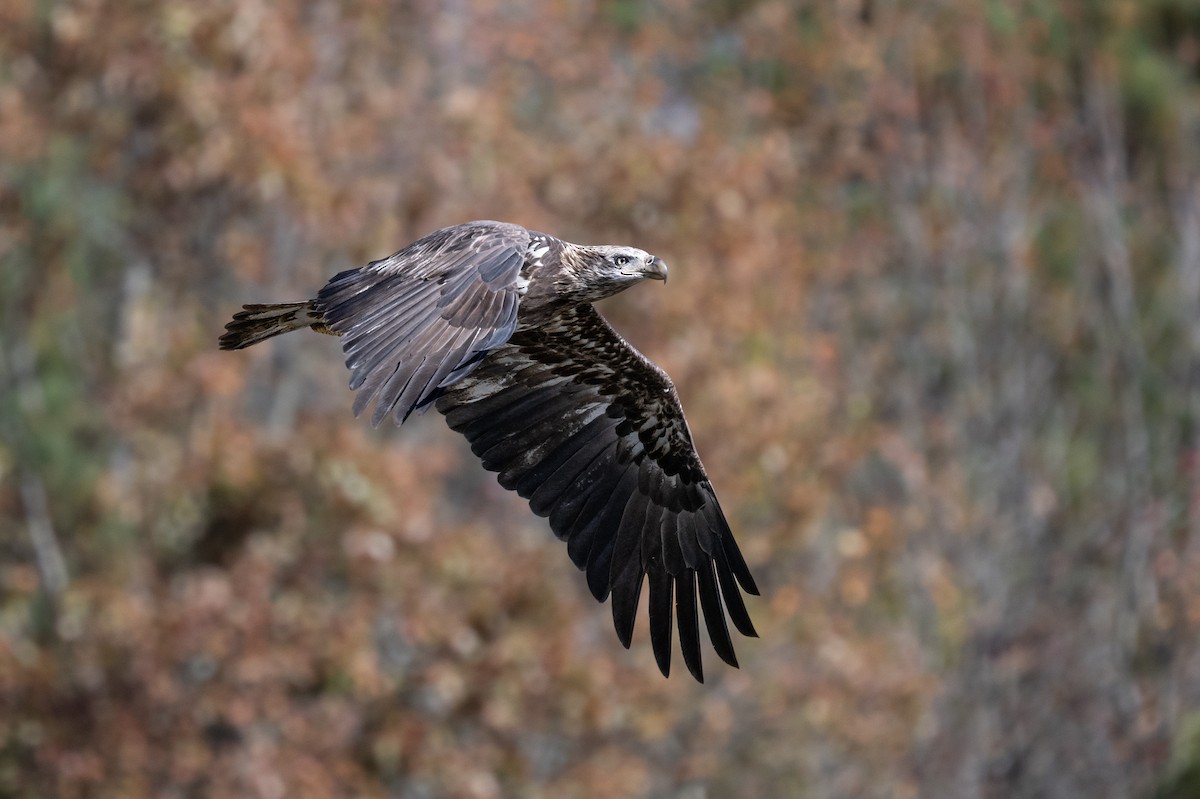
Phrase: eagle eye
pixel 621 260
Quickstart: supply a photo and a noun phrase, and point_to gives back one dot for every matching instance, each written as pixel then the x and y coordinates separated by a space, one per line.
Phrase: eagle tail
pixel 255 323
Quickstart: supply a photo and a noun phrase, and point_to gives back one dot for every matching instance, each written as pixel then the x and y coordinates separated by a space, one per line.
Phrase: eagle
pixel 493 325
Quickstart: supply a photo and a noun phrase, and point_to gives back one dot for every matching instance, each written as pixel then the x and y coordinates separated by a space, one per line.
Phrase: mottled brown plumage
pixel 494 325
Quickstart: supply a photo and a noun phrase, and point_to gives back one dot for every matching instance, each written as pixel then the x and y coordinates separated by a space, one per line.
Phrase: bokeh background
pixel 934 314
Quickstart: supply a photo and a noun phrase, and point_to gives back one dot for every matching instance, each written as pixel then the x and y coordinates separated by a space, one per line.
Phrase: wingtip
pixel 661 588
pixel 664 663
pixel 625 596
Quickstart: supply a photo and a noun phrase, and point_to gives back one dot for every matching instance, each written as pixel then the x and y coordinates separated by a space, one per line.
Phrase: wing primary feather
pixel 733 598
pixel 737 564
pixel 568 506
pixel 375 381
pixel 600 556
pixel 685 525
pixel 626 593
pixel 714 614
pixel 587 529
pixel 599 564
pixel 672 556
pixel 707 524
pixel 651 535
pixel 689 623
pixel 661 585
pixel 628 541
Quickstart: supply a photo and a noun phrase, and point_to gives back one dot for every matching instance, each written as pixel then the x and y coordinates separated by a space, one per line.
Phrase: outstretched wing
pixel 591 433
pixel 424 317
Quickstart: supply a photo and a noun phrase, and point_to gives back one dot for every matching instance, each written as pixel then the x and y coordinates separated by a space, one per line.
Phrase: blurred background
pixel 934 314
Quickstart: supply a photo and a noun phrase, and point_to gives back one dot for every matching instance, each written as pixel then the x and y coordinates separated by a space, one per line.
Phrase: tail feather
pixel 255 323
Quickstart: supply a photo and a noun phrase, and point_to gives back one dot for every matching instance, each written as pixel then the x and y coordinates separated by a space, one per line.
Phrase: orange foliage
pixel 932 315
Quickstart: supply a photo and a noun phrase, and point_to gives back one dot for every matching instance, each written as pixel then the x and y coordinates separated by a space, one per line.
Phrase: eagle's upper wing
pixel 422 318
pixel 591 433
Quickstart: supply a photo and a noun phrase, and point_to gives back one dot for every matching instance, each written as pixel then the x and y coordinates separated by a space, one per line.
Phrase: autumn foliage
pixel 934 314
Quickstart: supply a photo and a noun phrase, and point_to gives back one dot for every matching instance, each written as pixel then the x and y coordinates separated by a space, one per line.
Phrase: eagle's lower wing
pixel 421 319
pixel 592 434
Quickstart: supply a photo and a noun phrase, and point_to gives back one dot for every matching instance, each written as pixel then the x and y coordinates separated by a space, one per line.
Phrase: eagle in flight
pixel 493 324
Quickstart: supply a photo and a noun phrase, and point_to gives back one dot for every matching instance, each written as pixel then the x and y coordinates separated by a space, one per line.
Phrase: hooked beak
pixel 656 269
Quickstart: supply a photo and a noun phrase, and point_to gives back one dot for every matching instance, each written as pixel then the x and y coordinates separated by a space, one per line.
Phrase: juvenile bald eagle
pixel 494 325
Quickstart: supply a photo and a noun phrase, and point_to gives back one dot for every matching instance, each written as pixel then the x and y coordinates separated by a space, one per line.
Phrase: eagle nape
pixel 494 326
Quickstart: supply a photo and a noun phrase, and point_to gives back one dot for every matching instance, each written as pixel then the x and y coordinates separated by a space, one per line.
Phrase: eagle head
pixel 602 271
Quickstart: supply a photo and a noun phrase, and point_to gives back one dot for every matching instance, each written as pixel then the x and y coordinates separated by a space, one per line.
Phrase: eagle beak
pixel 657 270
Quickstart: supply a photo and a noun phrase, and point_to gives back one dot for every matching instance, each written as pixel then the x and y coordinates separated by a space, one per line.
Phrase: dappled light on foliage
pixel 934 315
